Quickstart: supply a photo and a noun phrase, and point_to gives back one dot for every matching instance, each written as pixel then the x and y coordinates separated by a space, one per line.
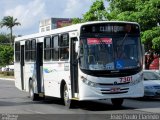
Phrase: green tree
pixel 4 38
pixel 76 20
pixel 151 39
pixel 6 55
pixel 9 22
pixel 96 12
pixel 146 13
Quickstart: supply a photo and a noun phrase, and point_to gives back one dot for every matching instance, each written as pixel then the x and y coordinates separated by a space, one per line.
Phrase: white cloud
pixel 75 8
pixel 28 14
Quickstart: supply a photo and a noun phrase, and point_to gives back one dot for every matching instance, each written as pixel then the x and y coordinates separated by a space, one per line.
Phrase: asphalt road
pixel 16 104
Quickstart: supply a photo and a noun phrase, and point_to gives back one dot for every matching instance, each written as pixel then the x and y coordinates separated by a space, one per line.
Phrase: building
pixel 53 23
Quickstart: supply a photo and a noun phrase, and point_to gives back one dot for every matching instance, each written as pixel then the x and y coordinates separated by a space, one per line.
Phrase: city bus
pixel 81 62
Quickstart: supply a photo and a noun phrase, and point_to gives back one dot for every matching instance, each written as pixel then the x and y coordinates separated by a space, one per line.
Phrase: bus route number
pixel 125 79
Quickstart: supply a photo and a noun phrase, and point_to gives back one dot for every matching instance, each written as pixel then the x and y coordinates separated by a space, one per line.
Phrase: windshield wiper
pixel 124 38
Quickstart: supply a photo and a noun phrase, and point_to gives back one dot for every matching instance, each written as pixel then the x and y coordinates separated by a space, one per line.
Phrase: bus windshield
pixel 110 53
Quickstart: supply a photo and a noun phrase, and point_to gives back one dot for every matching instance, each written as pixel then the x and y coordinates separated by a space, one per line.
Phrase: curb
pixel 10 79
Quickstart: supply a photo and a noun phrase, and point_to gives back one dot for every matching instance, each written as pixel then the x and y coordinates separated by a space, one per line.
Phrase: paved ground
pixel 16 102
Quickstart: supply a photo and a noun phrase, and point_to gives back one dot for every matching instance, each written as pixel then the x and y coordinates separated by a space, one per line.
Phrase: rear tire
pixel 33 96
pixel 117 101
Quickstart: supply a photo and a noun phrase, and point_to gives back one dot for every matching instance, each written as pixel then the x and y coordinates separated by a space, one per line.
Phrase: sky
pixel 30 12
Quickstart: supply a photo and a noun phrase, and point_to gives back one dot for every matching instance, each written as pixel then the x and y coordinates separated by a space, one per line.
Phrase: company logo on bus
pixel 115 83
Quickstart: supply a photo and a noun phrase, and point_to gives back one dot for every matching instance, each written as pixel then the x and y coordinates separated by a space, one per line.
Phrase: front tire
pixel 66 101
pixel 117 101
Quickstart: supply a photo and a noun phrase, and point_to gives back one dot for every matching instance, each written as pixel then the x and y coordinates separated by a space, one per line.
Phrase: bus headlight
pixel 87 82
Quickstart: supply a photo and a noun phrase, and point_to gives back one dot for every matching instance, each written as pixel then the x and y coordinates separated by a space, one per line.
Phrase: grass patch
pixel 7 74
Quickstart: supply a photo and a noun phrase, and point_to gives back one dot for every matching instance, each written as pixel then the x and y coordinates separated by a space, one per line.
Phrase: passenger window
pixel 55 48
pixel 33 50
pixel 47 48
pixel 27 50
pixel 64 41
pixel 64 53
pixel 17 51
pixel 64 47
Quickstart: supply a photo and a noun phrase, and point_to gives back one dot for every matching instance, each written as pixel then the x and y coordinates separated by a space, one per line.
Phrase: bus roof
pixel 75 27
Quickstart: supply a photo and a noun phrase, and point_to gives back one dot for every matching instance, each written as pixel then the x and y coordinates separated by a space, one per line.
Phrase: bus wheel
pixel 66 100
pixel 32 95
pixel 117 101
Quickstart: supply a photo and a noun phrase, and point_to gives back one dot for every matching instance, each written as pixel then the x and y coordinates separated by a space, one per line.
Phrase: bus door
pixel 74 67
pixel 39 67
pixel 22 66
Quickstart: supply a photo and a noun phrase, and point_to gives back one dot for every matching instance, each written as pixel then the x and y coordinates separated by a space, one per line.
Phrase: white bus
pixel 81 62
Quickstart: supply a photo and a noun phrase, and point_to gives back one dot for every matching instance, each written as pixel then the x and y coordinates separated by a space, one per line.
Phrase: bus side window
pixel 27 50
pixel 64 47
pixel 47 48
pixel 33 50
pixel 64 53
pixel 64 41
pixel 55 48
pixel 17 51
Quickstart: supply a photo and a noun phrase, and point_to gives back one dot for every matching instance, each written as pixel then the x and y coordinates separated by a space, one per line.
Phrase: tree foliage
pixel 4 38
pixel 151 38
pixel 6 55
pixel 145 12
pixel 96 12
pixel 6 51
pixel 76 20
pixel 9 22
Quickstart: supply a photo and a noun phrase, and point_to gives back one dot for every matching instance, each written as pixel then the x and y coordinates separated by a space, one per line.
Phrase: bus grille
pixel 118 88
pixel 114 91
